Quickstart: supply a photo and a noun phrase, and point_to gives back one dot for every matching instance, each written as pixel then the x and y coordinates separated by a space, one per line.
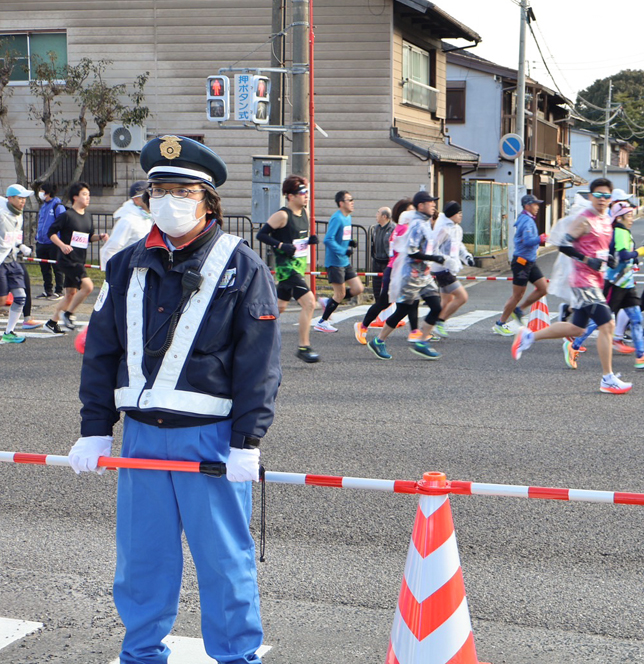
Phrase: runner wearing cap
pixel 524 266
pixel 448 241
pixel 132 222
pixel 588 242
pixel 12 276
pixel 619 289
pixel 288 232
pixel 416 281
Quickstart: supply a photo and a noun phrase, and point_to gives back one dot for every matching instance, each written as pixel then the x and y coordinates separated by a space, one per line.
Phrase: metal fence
pixel 235 224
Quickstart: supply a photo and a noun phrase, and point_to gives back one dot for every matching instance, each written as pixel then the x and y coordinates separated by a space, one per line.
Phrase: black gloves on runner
pixel 349 252
pixel 287 249
pixel 313 239
pixel 353 243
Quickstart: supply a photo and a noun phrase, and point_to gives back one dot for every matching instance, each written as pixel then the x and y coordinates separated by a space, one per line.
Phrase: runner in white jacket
pixel 448 241
pixel 132 222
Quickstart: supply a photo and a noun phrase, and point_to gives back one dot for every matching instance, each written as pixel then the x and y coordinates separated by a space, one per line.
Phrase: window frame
pixel 423 88
pixel 29 34
pixel 459 87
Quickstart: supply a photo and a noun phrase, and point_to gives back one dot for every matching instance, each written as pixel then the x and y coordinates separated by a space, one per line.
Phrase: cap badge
pixel 171 147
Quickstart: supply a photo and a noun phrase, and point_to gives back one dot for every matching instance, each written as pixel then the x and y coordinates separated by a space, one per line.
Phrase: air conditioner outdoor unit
pixel 127 139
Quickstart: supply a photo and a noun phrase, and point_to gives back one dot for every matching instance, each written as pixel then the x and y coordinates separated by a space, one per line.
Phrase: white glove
pixel 242 465
pixel 25 250
pixel 83 457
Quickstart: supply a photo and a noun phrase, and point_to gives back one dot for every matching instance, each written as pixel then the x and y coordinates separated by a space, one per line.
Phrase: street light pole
pixel 520 121
pixel 607 129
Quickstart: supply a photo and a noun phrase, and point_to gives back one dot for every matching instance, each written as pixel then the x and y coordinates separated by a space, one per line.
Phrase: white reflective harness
pixel 164 395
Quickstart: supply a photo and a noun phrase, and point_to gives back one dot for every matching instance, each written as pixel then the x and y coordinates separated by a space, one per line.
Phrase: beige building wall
pixel 180 44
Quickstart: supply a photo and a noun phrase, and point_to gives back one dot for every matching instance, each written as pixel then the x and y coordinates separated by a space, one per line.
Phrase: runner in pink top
pixel 588 243
pixel 382 302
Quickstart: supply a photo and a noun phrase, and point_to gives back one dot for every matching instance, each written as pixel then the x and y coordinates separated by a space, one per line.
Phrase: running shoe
pixel 613 385
pixel 43 296
pixel 361 333
pixel 69 320
pixel 31 324
pixel 54 327
pixel 11 338
pixel 570 354
pixel 639 362
pixel 522 342
pixel 307 354
pixel 55 296
pixel 440 330
pixel 424 350
pixel 564 312
pixel 518 315
pixel 581 349
pixel 379 349
pixel 414 336
pixel 503 329
pixel 621 348
pixel 321 326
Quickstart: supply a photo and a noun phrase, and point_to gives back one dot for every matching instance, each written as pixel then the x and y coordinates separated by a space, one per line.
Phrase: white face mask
pixel 175 216
pixel 41 196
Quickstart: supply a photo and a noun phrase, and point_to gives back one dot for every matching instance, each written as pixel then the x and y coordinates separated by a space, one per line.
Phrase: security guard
pixel 184 339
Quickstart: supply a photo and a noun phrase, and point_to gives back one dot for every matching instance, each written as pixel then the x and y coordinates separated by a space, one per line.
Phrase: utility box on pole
pixel 268 174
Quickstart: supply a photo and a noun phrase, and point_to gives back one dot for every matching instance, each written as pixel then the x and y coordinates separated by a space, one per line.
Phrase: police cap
pixel 181 159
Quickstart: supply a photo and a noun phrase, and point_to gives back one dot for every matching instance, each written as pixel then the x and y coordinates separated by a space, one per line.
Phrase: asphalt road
pixel 547 582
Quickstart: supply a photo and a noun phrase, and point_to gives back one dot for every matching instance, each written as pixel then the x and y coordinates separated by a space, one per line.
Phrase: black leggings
pixel 382 302
pixel 403 309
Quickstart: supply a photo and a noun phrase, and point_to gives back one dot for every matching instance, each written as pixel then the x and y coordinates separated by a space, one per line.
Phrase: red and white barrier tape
pixel 457 487
pixel 47 260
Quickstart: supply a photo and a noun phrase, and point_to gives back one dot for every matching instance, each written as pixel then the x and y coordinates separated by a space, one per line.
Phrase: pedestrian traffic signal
pixel 260 106
pixel 218 98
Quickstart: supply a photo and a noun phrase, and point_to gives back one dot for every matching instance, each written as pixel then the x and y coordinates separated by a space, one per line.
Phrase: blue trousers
pixel 154 508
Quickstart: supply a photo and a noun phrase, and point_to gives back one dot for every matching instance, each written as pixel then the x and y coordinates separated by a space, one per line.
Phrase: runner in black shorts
pixel 524 266
pixel 288 232
pixel 71 233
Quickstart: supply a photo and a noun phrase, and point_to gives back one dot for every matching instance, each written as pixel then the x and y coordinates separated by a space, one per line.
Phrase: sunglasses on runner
pixel 600 194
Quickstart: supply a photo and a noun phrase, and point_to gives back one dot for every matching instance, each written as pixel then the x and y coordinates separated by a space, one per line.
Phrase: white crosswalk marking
pixel 191 651
pixel 13 630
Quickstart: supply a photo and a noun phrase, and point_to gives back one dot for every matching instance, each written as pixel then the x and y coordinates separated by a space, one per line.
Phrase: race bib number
pixel 80 240
pixel 102 296
pixel 301 248
pixel 346 233
pixel 453 250
pixel 13 237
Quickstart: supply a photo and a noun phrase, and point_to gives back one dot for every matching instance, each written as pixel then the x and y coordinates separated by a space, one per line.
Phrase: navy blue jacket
pixel 49 211
pixel 526 237
pixel 235 354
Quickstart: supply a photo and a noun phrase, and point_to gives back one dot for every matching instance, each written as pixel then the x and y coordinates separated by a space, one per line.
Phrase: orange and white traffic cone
pixel 539 315
pixel 432 622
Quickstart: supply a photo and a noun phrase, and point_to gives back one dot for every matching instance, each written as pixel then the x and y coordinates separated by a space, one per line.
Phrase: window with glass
pixel 30 48
pixel 455 99
pixel 416 78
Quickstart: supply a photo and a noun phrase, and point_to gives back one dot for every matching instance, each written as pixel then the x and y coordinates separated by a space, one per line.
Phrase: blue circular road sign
pixel 511 146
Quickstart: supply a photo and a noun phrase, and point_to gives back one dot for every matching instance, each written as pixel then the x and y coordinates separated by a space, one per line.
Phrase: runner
pixel 72 232
pixel 287 231
pixel 416 281
pixel 524 266
pixel 448 241
pixel 588 242
pixel 339 248
pixel 382 301
pixel 12 278
pixel 619 289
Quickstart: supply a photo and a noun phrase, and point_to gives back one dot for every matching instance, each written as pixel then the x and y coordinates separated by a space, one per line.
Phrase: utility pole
pixel 300 153
pixel 607 129
pixel 520 121
pixel 276 139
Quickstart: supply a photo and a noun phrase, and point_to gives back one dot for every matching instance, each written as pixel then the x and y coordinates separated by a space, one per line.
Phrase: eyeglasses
pixel 348 200
pixel 600 194
pixel 160 192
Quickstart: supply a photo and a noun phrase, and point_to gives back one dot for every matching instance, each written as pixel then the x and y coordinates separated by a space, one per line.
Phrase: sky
pixel 580 41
